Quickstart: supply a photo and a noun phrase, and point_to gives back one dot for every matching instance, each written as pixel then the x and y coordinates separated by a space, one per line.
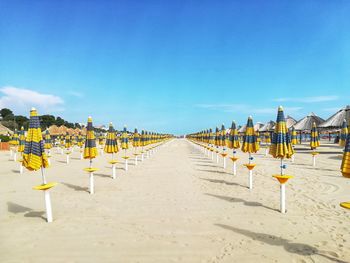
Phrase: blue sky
pixel 174 66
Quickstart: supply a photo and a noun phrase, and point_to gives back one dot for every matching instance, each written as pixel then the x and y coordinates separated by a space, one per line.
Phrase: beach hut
pixel 90 152
pixel 281 147
pixel 305 124
pixel 290 121
pixel 34 159
pixel 4 130
pixel 314 143
pixel 336 120
pixel 233 143
pixel 250 145
pixel 111 147
pixel 125 145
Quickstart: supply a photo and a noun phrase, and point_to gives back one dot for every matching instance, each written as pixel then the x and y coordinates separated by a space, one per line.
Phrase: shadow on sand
pixel 239 200
pixel 28 212
pixel 76 187
pixel 222 182
pixel 295 248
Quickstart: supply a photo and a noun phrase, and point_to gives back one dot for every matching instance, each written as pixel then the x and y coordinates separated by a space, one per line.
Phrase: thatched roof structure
pixel 4 130
pixel 306 122
pixel 53 130
pixel 257 126
pixel 269 126
pixel 336 120
pixel 290 121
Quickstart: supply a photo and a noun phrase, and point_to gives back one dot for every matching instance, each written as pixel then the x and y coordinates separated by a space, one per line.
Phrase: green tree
pixel 4 112
pixel 47 120
pixel 59 121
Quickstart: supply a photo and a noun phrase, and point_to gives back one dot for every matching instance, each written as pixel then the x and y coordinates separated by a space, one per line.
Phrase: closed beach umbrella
pixel 250 141
pixel 90 152
pixel 136 143
pixel 250 145
pixel 294 136
pixel 233 143
pixel 48 142
pixel 67 141
pixel 34 158
pixel 345 166
pixel 125 145
pixel 281 147
pixel 22 140
pixel 314 142
pixel 111 147
pixel 343 134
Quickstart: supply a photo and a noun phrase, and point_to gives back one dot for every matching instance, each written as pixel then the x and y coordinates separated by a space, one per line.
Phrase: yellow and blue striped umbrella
pixel 281 146
pixel 217 137
pixel 48 143
pixel 111 142
pixel 233 142
pixel 34 156
pixel 267 137
pixel 345 165
pixel 250 143
pixel 142 138
pixel 15 139
pixel 22 140
pixel 223 136
pixel 101 139
pixel 343 134
pixel 211 137
pixel 80 140
pixel 90 150
pixel 136 141
pixel 315 139
pixel 125 139
pixel 294 137
pixel 68 141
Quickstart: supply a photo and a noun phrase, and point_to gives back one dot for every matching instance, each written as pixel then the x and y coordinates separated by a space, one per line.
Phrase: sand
pixel 177 206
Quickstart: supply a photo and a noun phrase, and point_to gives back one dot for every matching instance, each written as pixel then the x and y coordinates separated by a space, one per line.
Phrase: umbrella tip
pixel 280 108
pixel 110 124
pixel 250 117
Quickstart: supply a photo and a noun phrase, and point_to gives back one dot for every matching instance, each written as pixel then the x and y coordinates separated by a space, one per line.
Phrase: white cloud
pixel 309 99
pixel 21 100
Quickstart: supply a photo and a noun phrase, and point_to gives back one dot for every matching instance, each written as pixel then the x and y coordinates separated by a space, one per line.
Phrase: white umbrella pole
pixel 314 160
pixel 136 160
pixel 224 162
pixel 113 171
pixel 283 198
pixel 15 156
pixel 266 151
pixel 20 168
pixel 11 152
pixel 250 179
pixel 47 199
pixel 217 157
pixel 92 190
pixel 67 159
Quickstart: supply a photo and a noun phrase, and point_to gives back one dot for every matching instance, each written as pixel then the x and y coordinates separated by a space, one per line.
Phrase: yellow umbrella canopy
pixel 211 137
pixel 267 137
pixel 223 136
pixel 34 156
pixel 217 137
pixel 233 142
pixel 15 138
pixel 48 143
pixel 345 165
pixel 22 140
pixel 136 140
pixel 294 137
pixel 68 141
pixel 125 139
pixel 250 143
pixel 142 138
pixel 315 140
pixel 101 139
pixel 90 150
pixel 111 142
pixel 281 146
pixel 343 134
pixel 80 140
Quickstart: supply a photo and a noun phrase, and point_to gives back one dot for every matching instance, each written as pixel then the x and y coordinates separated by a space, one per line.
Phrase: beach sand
pixel 177 206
